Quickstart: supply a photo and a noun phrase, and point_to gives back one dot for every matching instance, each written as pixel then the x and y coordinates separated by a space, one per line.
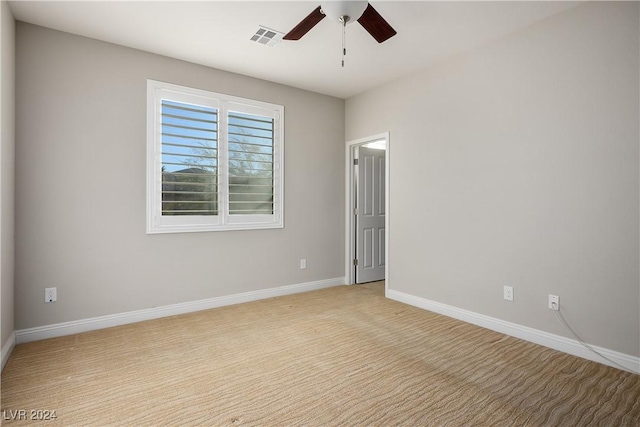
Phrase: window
pixel 214 162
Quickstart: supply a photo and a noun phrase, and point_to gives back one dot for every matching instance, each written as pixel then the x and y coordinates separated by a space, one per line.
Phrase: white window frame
pixel 156 222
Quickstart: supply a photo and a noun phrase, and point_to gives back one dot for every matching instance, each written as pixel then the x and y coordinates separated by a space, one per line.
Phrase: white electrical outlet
pixel 50 294
pixel 303 264
pixel 508 293
pixel 554 302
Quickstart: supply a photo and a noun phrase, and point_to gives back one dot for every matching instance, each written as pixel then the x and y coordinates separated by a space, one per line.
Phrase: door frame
pixel 350 181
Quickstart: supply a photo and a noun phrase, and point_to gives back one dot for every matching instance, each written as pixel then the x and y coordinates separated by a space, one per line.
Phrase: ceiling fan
pixel 345 12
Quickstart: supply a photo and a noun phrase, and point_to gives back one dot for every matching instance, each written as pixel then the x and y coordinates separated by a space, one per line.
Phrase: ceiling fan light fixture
pixel 337 10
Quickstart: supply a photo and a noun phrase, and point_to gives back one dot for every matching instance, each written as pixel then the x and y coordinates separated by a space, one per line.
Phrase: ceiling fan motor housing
pixel 336 10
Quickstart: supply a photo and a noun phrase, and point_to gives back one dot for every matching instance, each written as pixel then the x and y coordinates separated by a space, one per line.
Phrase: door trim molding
pixel 349 206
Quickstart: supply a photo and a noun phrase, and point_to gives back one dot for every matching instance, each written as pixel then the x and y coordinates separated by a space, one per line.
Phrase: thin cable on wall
pixel 568 328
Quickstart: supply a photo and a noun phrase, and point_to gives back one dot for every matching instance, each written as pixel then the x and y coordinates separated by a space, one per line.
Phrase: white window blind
pixel 250 164
pixel 214 161
pixel 189 159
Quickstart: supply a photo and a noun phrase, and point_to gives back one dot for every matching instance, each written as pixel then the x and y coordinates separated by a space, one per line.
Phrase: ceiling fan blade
pixel 375 24
pixel 305 25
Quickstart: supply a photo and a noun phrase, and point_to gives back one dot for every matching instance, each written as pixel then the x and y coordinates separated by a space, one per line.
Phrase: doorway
pixel 367 202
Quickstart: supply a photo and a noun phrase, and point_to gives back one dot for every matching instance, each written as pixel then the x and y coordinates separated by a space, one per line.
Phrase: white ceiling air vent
pixel 267 36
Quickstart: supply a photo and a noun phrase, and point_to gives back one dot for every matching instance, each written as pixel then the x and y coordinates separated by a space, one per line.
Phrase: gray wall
pixel 80 187
pixel 517 164
pixel 7 147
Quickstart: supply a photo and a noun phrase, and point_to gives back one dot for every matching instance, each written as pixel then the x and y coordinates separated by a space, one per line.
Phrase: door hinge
pixel 355 162
pixel 355 211
pixel 355 261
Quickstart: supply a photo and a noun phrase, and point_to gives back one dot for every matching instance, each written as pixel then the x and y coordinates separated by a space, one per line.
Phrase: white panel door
pixel 370 231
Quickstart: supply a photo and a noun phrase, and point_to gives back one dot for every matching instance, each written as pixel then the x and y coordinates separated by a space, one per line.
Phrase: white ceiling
pixel 217 33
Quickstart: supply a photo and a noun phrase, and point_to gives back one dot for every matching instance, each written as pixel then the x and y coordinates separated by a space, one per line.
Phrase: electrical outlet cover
pixel 50 295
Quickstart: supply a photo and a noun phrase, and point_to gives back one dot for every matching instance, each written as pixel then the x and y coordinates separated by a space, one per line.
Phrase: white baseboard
pixel 94 323
pixel 7 348
pixel 556 342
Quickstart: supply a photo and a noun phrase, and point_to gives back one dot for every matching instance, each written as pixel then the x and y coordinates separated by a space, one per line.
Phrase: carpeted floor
pixel 376 287
pixel 340 356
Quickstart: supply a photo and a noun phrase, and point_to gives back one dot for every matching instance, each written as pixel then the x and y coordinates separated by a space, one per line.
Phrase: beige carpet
pixel 341 356
pixel 376 287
